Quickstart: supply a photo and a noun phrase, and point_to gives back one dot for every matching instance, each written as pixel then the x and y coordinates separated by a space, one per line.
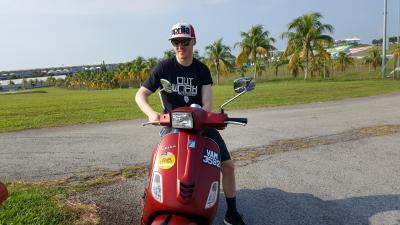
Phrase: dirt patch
pixel 118 203
pixel 82 214
pixel 380 130
pixel 247 154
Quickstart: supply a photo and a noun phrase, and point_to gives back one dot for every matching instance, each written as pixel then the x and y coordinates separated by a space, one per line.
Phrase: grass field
pixel 59 107
pixel 45 204
pixel 31 204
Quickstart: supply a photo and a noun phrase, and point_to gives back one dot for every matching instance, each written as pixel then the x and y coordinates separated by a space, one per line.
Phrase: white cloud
pixel 90 7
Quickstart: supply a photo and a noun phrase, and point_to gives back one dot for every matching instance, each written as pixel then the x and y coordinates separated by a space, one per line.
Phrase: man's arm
pixel 142 101
pixel 206 97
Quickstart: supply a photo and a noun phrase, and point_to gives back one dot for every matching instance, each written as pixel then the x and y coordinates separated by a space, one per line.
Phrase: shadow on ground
pixel 260 207
pixel 274 206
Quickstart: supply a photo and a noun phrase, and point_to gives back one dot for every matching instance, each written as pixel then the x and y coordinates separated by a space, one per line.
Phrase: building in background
pixel 16 79
pixel 52 71
pixel 354 41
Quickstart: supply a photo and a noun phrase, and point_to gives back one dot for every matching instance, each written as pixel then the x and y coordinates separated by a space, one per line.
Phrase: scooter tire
pixel 169 219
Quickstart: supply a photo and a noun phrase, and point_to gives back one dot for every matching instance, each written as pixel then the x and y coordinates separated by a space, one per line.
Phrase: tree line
pixel 391 40
pixel 307 41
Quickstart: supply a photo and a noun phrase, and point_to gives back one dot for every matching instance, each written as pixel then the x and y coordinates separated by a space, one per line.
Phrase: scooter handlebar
pixel 151 123
pixel 239 121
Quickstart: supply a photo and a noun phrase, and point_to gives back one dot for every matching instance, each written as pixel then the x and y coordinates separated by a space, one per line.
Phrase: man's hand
pixel 154 117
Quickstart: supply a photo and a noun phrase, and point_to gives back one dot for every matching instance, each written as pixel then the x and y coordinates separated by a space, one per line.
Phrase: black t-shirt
pixel 186 82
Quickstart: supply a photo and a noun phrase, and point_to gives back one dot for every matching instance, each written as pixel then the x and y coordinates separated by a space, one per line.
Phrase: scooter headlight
pixel 156 187
pixel 182 120
pixel 212 195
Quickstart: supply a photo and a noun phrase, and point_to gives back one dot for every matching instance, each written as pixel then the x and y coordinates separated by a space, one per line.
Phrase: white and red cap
pixel 182 30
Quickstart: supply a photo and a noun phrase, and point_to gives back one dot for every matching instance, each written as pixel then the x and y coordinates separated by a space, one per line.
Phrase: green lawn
pixel 60 107
pixel 45 203
pixel 31 204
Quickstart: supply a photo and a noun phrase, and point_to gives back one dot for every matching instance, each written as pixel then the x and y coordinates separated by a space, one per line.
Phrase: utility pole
pixel 396 73
pixel 384 40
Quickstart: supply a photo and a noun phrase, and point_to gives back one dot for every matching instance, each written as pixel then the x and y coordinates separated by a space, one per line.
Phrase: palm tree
pixel 196 54
pixel 139 64
pixel 242 70
pixel 261 65
pixel 396 54
pixel 51 81
pixel 343 61
pixel 295 64
pixel 255 43
pixel 321 62
pixel 217 58
pixel 11 84
pixel 276 63
pixel 150 63
pixel 169 54
pixel 25 82
pixel 305 34
pixel 374 57
pixel 121 75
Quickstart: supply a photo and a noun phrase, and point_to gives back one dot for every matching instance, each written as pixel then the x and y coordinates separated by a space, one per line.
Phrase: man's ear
pixel 194 41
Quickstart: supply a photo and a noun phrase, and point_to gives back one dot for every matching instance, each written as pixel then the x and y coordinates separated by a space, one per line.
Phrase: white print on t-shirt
pixel 184 87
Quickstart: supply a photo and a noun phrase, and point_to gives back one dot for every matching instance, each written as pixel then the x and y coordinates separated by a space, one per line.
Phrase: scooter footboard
pixel 170 219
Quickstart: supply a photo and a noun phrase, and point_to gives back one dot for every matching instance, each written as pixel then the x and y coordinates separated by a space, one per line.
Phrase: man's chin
pixel 182 57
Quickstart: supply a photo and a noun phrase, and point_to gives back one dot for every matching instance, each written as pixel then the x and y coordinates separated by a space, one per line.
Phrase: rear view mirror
pixel 243 84
pixel 240 85
pixel 166 85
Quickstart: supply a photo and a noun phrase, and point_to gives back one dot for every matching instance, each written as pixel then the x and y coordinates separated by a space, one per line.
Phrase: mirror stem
pixel 230 100
pixel 161 100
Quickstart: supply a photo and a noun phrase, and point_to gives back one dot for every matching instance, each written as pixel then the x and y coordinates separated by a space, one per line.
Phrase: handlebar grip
pixel 239 120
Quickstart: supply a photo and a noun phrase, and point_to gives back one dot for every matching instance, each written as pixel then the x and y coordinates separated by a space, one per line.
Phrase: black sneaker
pixel 233 219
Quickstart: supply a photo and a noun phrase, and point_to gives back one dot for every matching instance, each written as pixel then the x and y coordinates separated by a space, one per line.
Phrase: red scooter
pixel 184 172
pixel 3 193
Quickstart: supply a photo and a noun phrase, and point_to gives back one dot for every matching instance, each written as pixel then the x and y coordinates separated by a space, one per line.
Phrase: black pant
pixel 216 136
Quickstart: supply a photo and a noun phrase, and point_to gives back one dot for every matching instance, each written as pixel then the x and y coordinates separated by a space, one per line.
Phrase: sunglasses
pixel 182 42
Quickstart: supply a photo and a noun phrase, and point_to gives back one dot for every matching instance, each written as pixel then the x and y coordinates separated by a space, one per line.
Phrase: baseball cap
pixel 182 30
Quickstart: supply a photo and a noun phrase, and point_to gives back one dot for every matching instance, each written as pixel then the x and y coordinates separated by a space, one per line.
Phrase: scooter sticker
pixel 211 158
pixel 191 143
pixel 166 160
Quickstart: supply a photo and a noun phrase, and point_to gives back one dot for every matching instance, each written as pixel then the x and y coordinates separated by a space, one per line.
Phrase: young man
pixel 192 81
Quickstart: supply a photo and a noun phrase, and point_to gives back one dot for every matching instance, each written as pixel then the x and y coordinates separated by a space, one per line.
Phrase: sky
pixel 55 33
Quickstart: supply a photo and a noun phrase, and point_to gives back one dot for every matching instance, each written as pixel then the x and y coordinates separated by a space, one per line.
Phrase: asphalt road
pixel 343 178
pixel 347 183
pixel 354 182
pixel 42 154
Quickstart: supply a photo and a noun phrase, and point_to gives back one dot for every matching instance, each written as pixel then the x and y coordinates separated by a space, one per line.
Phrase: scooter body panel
pixel 188 165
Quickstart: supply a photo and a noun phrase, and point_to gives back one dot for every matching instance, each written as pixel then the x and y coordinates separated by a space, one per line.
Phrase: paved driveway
pixel 338 176
pixel 63 151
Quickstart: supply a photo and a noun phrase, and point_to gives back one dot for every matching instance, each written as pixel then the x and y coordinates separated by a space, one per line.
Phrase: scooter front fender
pixel 170 219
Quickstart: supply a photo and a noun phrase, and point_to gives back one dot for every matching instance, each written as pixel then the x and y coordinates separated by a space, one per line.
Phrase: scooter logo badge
pixel 191 143
pixel 166 160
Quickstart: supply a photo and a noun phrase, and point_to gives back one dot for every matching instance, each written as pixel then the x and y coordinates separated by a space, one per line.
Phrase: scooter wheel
pixel 169 219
